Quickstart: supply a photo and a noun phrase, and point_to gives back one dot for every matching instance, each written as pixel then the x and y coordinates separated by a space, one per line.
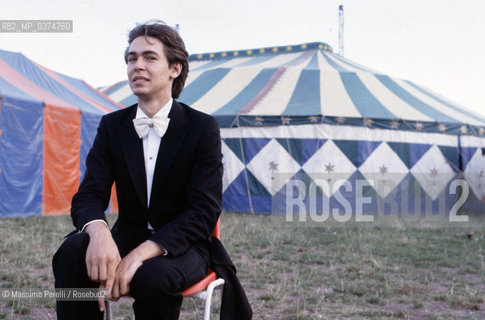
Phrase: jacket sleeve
pixel 92 198
pixel 203 198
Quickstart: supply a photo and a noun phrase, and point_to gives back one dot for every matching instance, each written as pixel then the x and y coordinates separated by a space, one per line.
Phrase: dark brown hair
pixel 173 47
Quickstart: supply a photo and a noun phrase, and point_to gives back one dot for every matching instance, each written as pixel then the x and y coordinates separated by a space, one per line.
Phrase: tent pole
pixel 248 190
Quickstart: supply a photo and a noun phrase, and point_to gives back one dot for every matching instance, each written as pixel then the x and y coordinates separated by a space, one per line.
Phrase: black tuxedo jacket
pixel 186 195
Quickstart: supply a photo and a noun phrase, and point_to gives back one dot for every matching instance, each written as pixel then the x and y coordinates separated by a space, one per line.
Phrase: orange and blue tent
pixel 48 122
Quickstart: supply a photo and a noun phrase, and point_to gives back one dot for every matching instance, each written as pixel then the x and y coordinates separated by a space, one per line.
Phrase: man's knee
pixel 155 279
pixel 71 254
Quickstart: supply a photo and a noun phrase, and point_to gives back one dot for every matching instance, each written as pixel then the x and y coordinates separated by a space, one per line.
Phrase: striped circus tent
pixel 306 129
pixel 47 125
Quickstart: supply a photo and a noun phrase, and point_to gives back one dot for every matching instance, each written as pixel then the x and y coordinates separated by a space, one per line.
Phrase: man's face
pixel 149 73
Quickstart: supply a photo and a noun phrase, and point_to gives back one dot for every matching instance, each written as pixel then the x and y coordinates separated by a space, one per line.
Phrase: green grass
pixel 291 271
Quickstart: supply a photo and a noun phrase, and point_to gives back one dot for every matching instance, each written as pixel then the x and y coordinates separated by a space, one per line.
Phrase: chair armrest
pixel 201 285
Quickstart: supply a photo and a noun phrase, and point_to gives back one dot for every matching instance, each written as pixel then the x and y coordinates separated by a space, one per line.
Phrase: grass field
pixel 292 271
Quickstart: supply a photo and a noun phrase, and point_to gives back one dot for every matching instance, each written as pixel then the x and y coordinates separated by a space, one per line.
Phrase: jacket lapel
pixel 132 147
pixel 169 146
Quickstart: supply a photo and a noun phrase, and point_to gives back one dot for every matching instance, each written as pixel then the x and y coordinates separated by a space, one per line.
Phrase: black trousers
pixel 156 285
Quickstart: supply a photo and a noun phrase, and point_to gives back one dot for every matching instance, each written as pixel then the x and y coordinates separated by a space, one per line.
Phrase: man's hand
pixel 124 273
pixel 128 266
pixel 102 257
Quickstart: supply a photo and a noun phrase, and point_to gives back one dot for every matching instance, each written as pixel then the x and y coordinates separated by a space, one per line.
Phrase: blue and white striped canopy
pixel 308 83
pixel 302 116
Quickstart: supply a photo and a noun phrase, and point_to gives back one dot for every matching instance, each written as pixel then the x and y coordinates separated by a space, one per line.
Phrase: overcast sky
pixel 439 44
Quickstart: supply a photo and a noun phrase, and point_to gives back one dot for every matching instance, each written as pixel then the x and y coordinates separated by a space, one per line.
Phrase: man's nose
pixel 139 64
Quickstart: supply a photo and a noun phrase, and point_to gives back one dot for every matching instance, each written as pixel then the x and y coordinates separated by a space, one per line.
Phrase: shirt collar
pixel 163 112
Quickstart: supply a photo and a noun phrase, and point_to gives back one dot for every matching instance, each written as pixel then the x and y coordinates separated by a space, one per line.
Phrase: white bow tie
pixel 143 125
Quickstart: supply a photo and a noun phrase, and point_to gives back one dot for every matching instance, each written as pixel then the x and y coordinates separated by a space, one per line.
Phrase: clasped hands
pixel 104 264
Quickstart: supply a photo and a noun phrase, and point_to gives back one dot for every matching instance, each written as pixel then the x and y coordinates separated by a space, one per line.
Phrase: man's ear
pixel 175 69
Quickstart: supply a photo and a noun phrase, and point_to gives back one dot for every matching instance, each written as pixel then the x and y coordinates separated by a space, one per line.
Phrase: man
pixel 165 159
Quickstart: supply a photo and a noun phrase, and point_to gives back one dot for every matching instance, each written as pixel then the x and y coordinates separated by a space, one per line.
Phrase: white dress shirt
pixel 151 144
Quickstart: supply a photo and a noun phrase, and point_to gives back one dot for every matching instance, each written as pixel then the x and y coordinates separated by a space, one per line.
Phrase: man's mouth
pixel 138 79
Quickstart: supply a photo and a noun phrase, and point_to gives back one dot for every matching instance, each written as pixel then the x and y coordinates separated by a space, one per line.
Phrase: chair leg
pixel 208 300
pixel 107 311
